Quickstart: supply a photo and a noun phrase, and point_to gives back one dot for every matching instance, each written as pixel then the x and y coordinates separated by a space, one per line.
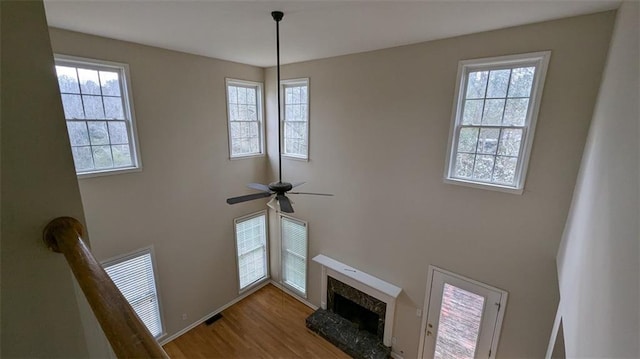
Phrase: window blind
pixel 251 242
pixel 134 277
pixel 294 254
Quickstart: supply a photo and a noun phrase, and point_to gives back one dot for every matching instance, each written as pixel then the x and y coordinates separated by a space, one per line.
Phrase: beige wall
pixel 598 261
pixel 177 202
pixel 40 316
pixel 379 128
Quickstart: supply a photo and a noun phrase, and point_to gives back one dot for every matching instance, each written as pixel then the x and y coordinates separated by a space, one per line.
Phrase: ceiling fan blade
pixel 312 193
pixel 249 197
pixel 285 204
pixel 259 187
pixel 296 184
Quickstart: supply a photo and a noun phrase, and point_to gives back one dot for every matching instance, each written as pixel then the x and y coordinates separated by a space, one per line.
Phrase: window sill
pixel 109 172
pixel 255 284
pixel 487 186
pixel 246 156
pixel 294 289
pixel 295 158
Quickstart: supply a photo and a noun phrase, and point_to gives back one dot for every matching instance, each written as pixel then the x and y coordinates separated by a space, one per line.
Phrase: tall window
pixel 134 276
pixel 97 108
pixel 294 254
pixel 244 110
pixel 251 248
pixel 495 112
pixel 296 118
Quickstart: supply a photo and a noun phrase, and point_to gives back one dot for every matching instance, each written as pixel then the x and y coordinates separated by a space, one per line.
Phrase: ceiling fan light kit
pixel 279 202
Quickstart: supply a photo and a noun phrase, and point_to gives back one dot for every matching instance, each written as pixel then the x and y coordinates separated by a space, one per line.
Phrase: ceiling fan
pixel 279 189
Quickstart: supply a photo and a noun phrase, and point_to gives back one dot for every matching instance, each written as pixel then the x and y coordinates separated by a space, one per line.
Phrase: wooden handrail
pixel 128 335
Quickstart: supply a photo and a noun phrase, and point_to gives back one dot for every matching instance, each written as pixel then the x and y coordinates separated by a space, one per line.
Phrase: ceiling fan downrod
pixel 277 16
pixel 278 189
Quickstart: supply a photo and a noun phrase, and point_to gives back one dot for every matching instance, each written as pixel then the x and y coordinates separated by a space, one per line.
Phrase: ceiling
pixel 243 31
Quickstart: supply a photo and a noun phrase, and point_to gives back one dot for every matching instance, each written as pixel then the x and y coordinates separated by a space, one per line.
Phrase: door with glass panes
pixel 463 317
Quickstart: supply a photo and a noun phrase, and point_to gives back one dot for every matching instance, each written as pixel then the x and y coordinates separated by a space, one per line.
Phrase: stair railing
pixel 127 334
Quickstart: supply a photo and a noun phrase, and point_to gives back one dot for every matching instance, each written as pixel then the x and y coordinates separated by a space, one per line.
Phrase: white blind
pixel 294 253
pixel 135 279
pixel 251 241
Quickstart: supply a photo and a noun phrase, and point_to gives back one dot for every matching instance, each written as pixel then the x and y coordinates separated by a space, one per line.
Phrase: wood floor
pixel 267 324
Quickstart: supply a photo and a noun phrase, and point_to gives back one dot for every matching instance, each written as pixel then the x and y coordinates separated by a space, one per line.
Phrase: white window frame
pixel 538 59
pixel 293 288
pixel 140 252
pixel 294 83
pixel 127 106
pixel 266 250
pixel 260 116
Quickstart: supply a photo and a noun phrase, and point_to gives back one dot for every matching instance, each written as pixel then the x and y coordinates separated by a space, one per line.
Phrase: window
pixel 244 110
pixel 134 276
pixel 294 254
pixel 97 108
pixel 494 119
pixel 251 246
pixel 296 118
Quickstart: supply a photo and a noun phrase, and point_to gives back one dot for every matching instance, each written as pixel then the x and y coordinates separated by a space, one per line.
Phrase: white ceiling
pixel 243 31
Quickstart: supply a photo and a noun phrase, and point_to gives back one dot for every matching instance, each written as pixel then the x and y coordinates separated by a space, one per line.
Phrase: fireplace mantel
pixel 375 287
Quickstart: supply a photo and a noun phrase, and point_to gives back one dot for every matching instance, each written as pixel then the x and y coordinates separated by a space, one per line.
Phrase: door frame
pixel 427 297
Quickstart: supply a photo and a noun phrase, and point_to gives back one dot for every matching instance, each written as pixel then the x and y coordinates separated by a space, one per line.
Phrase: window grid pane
pixel 295 120
pixel 244 119
pixel 251 247
pixel 294 253
pixel 491 125
pixel 135 279
pixel 97 123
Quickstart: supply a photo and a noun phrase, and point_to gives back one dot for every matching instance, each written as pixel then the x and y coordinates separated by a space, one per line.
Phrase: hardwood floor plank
pixel 267 324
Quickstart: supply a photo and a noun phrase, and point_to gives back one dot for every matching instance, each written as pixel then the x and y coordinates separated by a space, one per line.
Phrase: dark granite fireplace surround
pixel 353 321
pixel 356 306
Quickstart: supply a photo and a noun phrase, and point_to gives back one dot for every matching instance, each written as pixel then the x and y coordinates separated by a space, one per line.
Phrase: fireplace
pixel 357 310
pixel 361 317
pixel 361 309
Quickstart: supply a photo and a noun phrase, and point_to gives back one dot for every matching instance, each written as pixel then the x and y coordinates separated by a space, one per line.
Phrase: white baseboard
pixel 395 355
pixel 201 320
pixel 294 295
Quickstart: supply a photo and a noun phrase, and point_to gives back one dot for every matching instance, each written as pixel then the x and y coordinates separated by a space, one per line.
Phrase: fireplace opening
pixel 362 317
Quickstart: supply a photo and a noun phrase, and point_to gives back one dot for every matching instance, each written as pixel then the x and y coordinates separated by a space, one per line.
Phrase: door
pixel 463 317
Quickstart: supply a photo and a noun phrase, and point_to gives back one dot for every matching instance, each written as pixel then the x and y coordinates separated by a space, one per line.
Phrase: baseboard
pixel 395 355
pixel 201 320
pixel 294 295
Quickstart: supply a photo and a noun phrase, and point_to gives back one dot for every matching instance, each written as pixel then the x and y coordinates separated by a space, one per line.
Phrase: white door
pixel 463 317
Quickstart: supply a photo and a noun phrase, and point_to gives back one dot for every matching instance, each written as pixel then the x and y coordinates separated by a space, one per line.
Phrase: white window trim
pixel 127 107
pixel 294 82
pixel 150 249
pixel 260 103
pixel 306 279
pixel 235 248
pixel 541 61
